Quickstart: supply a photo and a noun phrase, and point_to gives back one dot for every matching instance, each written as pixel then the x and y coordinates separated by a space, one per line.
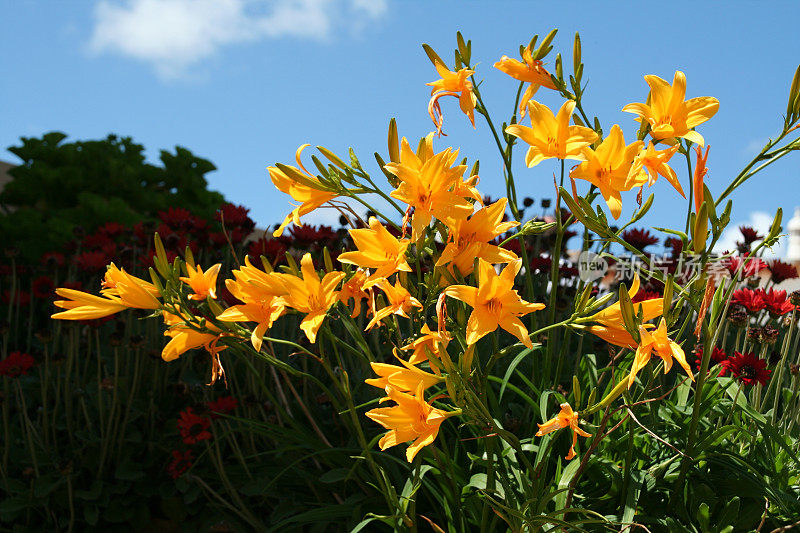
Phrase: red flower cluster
pixel 181 462
pixel 781 271
pixel 756 300
pixel 718 357
pixel 743 266
pixel 222 405
pixel 639 238
pixel 193 427
pixel 16 364
pixel 749 368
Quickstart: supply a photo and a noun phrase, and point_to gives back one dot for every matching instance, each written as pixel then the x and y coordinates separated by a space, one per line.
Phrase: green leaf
pixel 563 483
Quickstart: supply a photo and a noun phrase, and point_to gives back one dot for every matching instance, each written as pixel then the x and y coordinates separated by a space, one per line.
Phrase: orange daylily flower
pixel 117 276
pixel 565 418
pixel 669 116
pixel 432 186
pixel 406 378
pixel 451 84
pixel 430 342
pixel 608 167
pixel 185 338
pixel 411 419
pixel 700 172
pixel 469 238
pixel 84 306
pixel 609 320
pixel 657 341
pixel 495 303
pixel 552 136
pixel 654 163
pixel 311 193
pixel 378 249
pixel 400 302
pixel 310 295
pixel 261 294
pixel 354 288
pixel 204 284
pixel 530 71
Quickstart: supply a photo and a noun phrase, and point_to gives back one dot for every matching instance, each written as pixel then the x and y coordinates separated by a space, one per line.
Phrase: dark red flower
pixel 307 235
pixel 639 238
pixel 750 299
pixel 181 462
pixel 775 302
pixel 567 272
pixel 112 229
pixel 43 287
pixel 175 217
pixel 718 357
pixel 781 271
pixel 193 427
pixel 93 262
pixel 643 295
pixel 222 405
pixel 235 216
pixel 750 235
pixel 674 244
pixel 749 368
pixel 96 241
pixel 55 258
pixel 541 264
pixel 16 364
pixel 746 268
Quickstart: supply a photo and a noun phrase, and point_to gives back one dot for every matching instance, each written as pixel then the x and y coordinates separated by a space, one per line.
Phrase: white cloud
pixel 759 221
pixel 175 35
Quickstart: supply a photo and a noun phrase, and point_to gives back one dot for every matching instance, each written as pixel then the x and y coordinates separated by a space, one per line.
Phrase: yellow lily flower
pixel 400 302
pixel 468 239
pixel 406 379
pixel 658 342
pixel 310 295
pixel 530 71
pixel 84 306
pixel 610 326
pixel 411 419
pixel 669 116
pixel 204 284
pixel 565 418
pixel 378 249
pixel 494 303
pixel 262 300
pixel 451 84
pixel 552 136
pixel 115 276
pixel 310 196
pixel 354 288
pixel 608 167
pixel 430 342
pixel 654 163
pixel 184 338
pixel 431 186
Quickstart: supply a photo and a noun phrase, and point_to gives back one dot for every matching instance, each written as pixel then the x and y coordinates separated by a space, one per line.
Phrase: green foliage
pixel 62 185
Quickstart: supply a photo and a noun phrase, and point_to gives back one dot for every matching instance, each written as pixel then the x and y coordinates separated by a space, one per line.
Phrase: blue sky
pixel 244 82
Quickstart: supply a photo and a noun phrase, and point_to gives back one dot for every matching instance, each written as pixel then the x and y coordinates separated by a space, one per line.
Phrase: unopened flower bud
pixel 770 334
pixel 794 369
pixel 527 201
pixel 755 335
pixel 737 315
pixel 753 282
pixel 794 298
pixel 546 203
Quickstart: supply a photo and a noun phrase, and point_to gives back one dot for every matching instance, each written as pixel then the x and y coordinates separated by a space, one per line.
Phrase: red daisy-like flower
pixel 55 258
pixel 781 271
pixel 92 261
pixel 193 427
pixel 16 364
pixel 775 302
pixel 749 368
pixel 750 299
pixel 175 217
pixel 639 238
pixel 235 216
pixel 43 287
pixel 222 405
pixel 674 244
pixel 307 235
pixel 643 295
pixel 749 235
pixel 181 462
pixel 743 266
pixel 718 357
pixel 272 249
